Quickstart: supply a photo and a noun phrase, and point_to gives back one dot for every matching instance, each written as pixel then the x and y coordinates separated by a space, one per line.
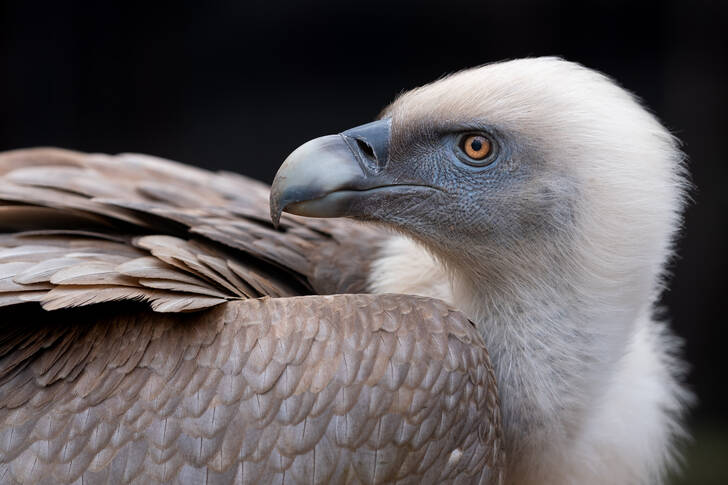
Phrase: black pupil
pixel 476 144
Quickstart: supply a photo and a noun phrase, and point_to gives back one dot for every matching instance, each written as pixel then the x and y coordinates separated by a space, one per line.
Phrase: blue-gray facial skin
pixel 501 200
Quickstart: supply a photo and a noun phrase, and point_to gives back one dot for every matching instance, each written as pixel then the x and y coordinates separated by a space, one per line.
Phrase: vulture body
pixel 233 369
pixel 156 327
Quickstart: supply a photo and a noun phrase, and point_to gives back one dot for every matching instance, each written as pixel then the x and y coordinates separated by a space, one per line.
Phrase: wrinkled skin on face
pixel 494 205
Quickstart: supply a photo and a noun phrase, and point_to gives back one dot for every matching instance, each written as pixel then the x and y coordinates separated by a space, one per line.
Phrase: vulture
pixel 462 291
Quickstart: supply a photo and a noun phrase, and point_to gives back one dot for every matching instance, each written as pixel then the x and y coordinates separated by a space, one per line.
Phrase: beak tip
pixel 275 207
pixel 275 219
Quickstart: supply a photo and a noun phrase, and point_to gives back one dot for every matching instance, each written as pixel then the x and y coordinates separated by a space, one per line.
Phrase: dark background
pixel 238 85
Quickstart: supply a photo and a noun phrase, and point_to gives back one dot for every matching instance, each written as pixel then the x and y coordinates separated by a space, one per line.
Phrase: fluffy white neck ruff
pixel 588 385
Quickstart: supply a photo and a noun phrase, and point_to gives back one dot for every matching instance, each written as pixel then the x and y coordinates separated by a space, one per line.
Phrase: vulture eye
pixel 477 147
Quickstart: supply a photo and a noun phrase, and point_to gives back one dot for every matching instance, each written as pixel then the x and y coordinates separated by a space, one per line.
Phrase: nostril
pixel 366 149
pixel 370 144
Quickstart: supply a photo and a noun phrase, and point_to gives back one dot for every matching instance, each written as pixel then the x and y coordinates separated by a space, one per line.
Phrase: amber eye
pixel 476 147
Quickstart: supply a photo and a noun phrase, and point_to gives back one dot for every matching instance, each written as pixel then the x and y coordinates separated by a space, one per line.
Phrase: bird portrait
pixel 462 290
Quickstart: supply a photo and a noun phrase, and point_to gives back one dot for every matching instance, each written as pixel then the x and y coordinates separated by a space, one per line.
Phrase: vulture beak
pixel 330 175
pixel 322 177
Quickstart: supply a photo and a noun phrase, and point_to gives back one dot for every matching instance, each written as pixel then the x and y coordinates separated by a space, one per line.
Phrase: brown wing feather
pixel 71 213
pixel 317 389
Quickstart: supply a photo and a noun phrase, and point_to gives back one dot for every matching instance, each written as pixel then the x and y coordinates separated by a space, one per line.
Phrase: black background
pixel 238 85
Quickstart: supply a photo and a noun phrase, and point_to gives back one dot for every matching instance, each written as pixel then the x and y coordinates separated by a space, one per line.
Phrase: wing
pixel 77 229
pixel 314 389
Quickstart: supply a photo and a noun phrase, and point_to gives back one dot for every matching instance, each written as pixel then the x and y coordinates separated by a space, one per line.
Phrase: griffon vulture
pixel 178 336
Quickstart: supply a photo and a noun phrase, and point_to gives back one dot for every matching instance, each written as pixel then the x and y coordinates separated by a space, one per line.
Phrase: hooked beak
pixel 336 175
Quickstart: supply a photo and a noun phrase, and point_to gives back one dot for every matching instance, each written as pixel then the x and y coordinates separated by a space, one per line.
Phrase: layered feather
pixel 82 229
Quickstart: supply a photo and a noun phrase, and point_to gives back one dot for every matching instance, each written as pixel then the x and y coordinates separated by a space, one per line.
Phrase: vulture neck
pixel 554 338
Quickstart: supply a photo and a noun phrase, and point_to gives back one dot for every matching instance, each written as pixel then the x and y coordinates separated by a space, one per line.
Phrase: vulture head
pixel 521 175
pixel 549 197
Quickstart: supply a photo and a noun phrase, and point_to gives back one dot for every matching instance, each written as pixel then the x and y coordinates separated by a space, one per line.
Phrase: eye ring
pixel 477 148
